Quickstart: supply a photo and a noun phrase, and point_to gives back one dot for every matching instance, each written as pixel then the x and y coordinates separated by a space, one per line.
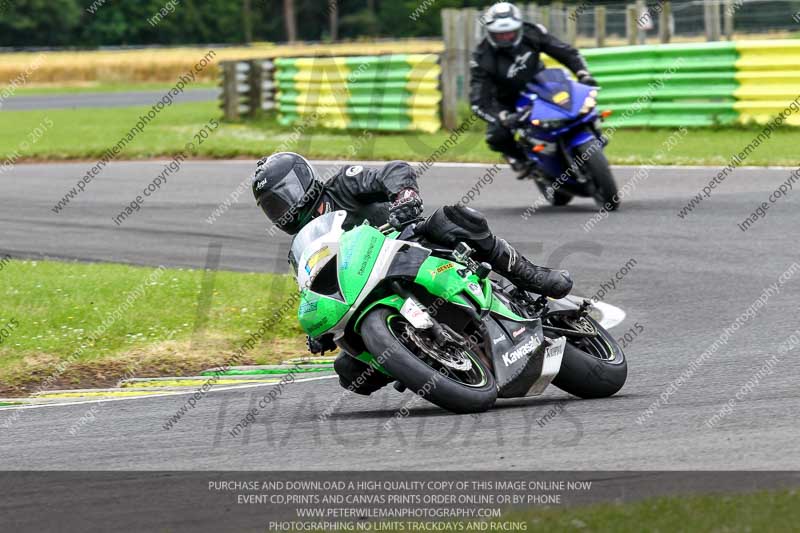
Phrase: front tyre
pixel 451 376
pixel 555 198
pixel 592 367
pixel 598 169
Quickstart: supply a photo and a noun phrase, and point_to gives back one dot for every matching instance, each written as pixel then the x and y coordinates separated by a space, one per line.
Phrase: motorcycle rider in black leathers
pixel 503 63
pixel 289 191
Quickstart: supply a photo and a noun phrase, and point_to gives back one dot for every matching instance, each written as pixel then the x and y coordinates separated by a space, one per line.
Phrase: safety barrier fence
pixel 706 84
pixel 384 92
pixel 692 85
pixel 248 87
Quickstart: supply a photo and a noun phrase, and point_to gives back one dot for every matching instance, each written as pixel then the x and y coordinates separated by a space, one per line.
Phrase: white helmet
pixel 503 23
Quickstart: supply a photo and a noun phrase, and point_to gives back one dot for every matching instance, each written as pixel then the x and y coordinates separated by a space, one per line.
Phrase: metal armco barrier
pixel 387 92
pixel 702 84
pixel 668 85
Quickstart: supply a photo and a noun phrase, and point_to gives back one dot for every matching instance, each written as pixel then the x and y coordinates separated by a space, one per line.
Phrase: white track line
pixel 178 393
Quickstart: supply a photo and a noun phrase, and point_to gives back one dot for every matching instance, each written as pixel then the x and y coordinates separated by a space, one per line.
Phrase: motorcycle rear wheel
pixel 454 378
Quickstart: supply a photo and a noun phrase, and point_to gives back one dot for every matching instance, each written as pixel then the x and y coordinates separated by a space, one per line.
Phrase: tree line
pixel 92 23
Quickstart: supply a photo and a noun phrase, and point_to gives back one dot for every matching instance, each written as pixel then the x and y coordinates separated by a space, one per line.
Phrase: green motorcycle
pixel 433 320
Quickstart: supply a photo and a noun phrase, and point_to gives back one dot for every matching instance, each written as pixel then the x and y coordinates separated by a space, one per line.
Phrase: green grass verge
pixel 773 511
pixel 88 133
pixel 57 307
pixel 763 511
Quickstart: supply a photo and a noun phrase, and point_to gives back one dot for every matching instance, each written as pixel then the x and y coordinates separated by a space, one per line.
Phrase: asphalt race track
pixel 691 279
pixel 106 99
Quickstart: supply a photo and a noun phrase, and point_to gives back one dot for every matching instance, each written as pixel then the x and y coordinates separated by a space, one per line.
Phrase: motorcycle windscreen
pixel 553 85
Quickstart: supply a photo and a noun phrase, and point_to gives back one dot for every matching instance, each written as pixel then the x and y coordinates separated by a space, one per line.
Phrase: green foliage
pixel 90 23
pixel 45 22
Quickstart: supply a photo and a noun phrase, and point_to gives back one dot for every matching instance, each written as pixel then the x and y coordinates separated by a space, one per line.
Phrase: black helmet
pixel 286 188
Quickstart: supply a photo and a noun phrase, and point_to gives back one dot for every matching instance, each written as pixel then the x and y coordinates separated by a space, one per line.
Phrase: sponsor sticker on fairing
pixel 509 358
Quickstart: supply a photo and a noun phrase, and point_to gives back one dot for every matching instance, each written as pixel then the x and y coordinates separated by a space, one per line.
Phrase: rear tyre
pixel 597 167
pixel 592 367
pixel 453 377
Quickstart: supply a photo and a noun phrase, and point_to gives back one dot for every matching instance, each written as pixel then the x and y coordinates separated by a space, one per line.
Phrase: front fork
pixel 574 318
pixel 566 152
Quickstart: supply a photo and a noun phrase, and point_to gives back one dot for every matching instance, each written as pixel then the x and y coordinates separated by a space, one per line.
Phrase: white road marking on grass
pixel 151 396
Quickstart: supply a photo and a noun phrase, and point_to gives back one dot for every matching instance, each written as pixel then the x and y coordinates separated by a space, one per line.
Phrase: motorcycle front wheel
pixel 451 376
pixel 598 168
pixel 556 198
pixel 592 367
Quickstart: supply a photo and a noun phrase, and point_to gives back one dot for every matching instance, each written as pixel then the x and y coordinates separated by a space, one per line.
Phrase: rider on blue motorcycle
pixel 502 64
pixel 291 194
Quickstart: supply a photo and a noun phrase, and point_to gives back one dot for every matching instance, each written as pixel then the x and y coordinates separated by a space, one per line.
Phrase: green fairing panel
pixel 394 301
pixel 364 244
pixel 317 314
pixel 441 278
pixel 500 308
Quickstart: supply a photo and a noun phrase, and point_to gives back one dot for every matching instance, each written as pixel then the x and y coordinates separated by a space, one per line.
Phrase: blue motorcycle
pixel 561 134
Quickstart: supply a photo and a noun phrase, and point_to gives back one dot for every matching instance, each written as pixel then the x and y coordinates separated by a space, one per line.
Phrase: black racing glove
pixel 586 78
pixel 319 346
pixel 513 120
pixel 406 208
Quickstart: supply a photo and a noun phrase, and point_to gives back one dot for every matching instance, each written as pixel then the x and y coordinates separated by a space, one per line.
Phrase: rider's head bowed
pixel 287 188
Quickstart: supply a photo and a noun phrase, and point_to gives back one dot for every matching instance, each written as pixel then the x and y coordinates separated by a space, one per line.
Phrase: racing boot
pixel 450 225
pixel 513 266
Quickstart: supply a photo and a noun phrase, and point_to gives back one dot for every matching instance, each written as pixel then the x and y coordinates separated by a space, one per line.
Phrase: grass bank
pixel 128 317
pixel 773 511
pixel 88 133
